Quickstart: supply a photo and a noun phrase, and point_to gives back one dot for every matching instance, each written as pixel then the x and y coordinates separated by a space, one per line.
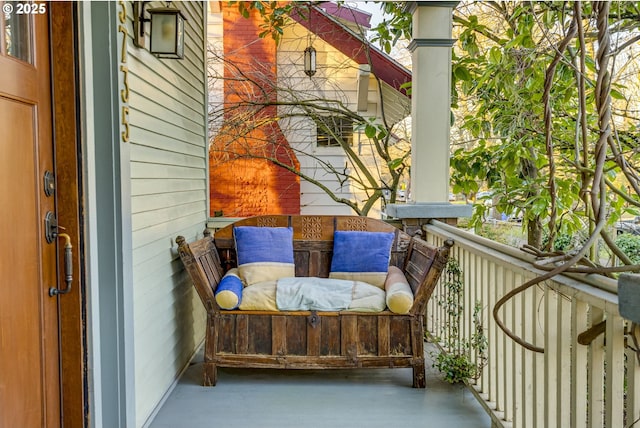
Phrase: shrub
pixel 506 233
pixel 630 245
pixel 454 361
pixel 562 241
pixel 455 367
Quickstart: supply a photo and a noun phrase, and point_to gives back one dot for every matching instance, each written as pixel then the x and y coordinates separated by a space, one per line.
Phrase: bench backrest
pixel 312 239
pixel 207 259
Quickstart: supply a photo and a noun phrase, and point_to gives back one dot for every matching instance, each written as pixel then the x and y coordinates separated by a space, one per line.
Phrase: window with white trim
pixel 333 129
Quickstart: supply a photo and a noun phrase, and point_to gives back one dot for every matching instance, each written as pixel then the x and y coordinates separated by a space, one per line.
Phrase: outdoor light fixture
pixel 166 33
pixel 310 61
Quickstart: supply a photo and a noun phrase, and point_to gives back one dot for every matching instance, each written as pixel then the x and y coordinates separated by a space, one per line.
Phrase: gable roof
pixel 350 14
pixel 354 46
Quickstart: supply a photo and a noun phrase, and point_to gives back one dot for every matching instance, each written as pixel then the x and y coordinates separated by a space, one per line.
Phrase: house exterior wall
pixel 248 186
pixel 336 79
pixel 168 197
pixel 214 44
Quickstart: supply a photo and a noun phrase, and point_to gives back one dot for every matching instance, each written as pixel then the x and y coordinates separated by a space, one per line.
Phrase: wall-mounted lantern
pixel 166 33
pixel 310 61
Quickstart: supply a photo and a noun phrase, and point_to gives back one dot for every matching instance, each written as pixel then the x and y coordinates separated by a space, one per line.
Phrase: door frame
pixel 68 159
pixel 107 222
pixel 97 346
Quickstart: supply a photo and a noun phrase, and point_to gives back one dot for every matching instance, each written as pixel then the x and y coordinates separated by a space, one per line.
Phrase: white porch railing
pixel 570 384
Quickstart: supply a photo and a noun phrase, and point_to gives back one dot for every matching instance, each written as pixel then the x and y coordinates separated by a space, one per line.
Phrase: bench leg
pixel 210 374
pixel 418 375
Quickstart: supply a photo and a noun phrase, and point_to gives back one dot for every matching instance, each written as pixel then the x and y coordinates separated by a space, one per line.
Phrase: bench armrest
pixel 202 263
pixel 423 267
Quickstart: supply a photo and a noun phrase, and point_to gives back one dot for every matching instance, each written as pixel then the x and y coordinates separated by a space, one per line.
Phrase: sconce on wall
pixel 310 61
pixel 166 33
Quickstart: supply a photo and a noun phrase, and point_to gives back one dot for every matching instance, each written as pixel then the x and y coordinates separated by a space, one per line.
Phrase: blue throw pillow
pixel 361 256
pixel 264 253
pixel 229 291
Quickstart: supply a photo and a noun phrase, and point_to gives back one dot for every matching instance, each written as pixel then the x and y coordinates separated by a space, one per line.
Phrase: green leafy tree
pixel 545 99
pixel 546 117
pixel 550 123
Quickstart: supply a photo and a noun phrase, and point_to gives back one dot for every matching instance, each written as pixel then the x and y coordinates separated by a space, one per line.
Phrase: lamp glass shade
pixel 167 33
pixel 310 61
pixel 180 38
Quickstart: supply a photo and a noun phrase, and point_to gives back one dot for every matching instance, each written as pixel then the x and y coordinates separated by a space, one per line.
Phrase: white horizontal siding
pixel 317 209
pixel 336 79
pixel 153 121
pixel 141 170
pixel 166 229
pixel 152 271
pixel 154 186
pixel 318 198
pixel 164 142
pixel 141 72
pixel 153 248
pixel 147 154
pixel 169 173
pixel 151 202
pixel 215 68
pixel 327 178
pixel 170 109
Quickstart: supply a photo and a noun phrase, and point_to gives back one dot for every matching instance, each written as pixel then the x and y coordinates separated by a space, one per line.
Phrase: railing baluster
pixel 579 367
pixel 596 374
pixel 563 361
pixel 614 352
pixel 551 350
pixel 565 385
pixel 500 342
pixel 509 371
pixel 633 388
pixel 517 350
pixel 538 329
pixel 473 273
pixel 485 316
pixel 492 335
pixel 528 380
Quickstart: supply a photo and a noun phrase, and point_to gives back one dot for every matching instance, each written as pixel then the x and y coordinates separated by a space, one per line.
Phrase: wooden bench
pixel 309 339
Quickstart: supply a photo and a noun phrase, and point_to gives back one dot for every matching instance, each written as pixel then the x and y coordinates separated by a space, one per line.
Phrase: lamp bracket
pixel 138 23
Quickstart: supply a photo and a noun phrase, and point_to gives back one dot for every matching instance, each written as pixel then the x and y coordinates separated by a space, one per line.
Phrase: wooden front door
pixel 29 318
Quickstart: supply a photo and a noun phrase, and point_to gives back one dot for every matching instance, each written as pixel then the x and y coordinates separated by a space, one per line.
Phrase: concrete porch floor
pixel 369 398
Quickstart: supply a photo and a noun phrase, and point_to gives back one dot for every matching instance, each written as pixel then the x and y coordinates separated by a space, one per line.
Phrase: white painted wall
pixel 337 79
pixel 169 197
pixel 214 42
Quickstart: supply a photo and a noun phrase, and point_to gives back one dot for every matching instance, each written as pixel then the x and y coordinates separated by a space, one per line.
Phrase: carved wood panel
pixel 267 221
pixel 357 223
pixel 311 228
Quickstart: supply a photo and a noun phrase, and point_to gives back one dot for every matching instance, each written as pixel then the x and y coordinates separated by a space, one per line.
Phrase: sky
pixel 372 8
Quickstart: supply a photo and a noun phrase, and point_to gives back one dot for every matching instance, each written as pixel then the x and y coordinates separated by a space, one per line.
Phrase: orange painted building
pixel 245 185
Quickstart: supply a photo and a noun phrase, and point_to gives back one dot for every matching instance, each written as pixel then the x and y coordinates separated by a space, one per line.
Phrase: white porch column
pixel 431 100
pixel 430 115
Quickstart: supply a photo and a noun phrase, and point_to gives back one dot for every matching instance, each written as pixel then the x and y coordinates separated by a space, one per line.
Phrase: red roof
pixel 360 17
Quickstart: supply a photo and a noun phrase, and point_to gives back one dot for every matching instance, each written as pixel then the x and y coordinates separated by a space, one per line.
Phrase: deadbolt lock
pixel 50 227
pixel 49 183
